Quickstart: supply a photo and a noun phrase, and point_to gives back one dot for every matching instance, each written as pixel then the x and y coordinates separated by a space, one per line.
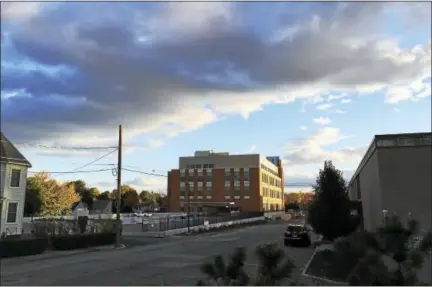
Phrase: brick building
pixel 212 181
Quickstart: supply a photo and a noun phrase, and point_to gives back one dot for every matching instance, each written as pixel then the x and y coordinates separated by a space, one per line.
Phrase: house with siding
pixel 13 183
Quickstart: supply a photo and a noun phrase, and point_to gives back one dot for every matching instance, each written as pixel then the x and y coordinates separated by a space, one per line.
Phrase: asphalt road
pixel 169 261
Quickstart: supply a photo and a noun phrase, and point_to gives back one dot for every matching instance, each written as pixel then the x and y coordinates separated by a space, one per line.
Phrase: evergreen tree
pixel 329 213
pixel 392 259
pixel 273 269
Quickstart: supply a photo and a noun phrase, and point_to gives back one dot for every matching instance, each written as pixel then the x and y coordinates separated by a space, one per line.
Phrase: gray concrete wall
pixel 221 161
pixel 405 174
pixel 370 193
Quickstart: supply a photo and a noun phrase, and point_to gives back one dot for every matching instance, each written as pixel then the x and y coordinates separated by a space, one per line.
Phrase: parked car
pixel 297 234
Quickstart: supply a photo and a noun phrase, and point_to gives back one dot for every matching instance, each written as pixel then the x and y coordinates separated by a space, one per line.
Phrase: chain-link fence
pixel 164 223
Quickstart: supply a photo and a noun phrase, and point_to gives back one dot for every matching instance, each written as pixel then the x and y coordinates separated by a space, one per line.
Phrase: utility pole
pixel 188 211
pixel 119 167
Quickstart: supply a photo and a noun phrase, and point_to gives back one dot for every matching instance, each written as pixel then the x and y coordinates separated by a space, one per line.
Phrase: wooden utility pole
pixel 119 168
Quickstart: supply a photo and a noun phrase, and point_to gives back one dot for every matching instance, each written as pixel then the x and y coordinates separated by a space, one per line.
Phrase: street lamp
pixel 384 212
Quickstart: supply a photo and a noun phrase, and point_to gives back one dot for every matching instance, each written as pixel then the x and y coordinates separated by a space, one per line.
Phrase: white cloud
pixel 336 97
pixel 413 91
pixel 312 150
pixel 147 182
pixel 251 148
pixel 19 10
pixel 397 94
pixel 396 110
pixel 324 107
pixel 338 111
pixel 155 143
pixel 345 101
pixel 322 121
pixel 303 128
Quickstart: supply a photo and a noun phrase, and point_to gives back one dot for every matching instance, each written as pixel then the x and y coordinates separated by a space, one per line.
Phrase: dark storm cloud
pixel 121 79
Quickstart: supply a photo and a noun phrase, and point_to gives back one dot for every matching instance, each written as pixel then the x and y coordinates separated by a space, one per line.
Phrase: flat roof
pixel 393 140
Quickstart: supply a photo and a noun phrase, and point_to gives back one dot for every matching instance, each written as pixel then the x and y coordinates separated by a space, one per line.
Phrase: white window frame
pixel 7 212
pixel 227 183
pixel 10 178
pixel 182 184
pixel 209 183
pixel 200 183
pixel 246 183
pixel 208 170
pixel 236 183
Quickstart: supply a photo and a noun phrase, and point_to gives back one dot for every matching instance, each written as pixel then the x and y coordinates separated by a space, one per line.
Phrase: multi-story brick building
pixel 248 182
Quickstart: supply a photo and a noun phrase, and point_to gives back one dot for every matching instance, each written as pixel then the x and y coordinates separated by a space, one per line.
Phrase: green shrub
pixel 79 241
pixel 14 247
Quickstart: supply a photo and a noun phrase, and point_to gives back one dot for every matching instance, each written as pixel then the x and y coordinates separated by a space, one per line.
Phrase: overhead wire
pixel 69 172
pixel 78 169
pixel 143 172
pixel 67 147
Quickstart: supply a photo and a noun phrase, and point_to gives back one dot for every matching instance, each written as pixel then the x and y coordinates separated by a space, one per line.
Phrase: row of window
pixel 267 192
pixel 208 189
pixel 269 170
pixel 271 180
pixel 200 165
pixel 208 176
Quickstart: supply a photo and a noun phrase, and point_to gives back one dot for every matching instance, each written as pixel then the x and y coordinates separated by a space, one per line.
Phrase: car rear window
pixel 294 228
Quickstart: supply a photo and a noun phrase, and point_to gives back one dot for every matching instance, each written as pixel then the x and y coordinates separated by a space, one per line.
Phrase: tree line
pixel 298 200
pixel 46 196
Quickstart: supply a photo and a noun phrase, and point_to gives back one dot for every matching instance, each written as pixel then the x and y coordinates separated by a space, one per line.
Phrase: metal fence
pixel 157 224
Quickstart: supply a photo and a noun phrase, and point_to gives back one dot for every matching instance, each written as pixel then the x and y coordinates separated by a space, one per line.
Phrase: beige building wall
pixel 395 175
pixel 405 174
pixel 370 189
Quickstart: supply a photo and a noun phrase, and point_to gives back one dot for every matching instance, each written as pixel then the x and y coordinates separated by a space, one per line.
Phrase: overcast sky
pixel 304 81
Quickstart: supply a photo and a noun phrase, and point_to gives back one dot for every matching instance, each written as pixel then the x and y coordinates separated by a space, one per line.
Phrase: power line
pixel 99 158
pixel 93 161
pixel 143 172
pixel 71 172
pixel 68 147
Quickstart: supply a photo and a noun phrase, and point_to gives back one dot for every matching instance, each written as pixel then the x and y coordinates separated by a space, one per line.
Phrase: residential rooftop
pixel 10 154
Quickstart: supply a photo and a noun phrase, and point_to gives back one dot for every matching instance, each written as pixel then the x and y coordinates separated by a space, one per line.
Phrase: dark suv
pixel 297 234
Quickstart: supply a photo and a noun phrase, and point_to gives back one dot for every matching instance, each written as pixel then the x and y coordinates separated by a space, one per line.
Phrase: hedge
pixel 78 241
pixel 14 247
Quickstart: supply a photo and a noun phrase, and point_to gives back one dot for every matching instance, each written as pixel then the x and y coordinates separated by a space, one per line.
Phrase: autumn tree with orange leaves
pixel 47 197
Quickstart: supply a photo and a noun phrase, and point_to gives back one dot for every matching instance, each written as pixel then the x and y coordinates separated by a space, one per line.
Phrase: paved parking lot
pixel 171 261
